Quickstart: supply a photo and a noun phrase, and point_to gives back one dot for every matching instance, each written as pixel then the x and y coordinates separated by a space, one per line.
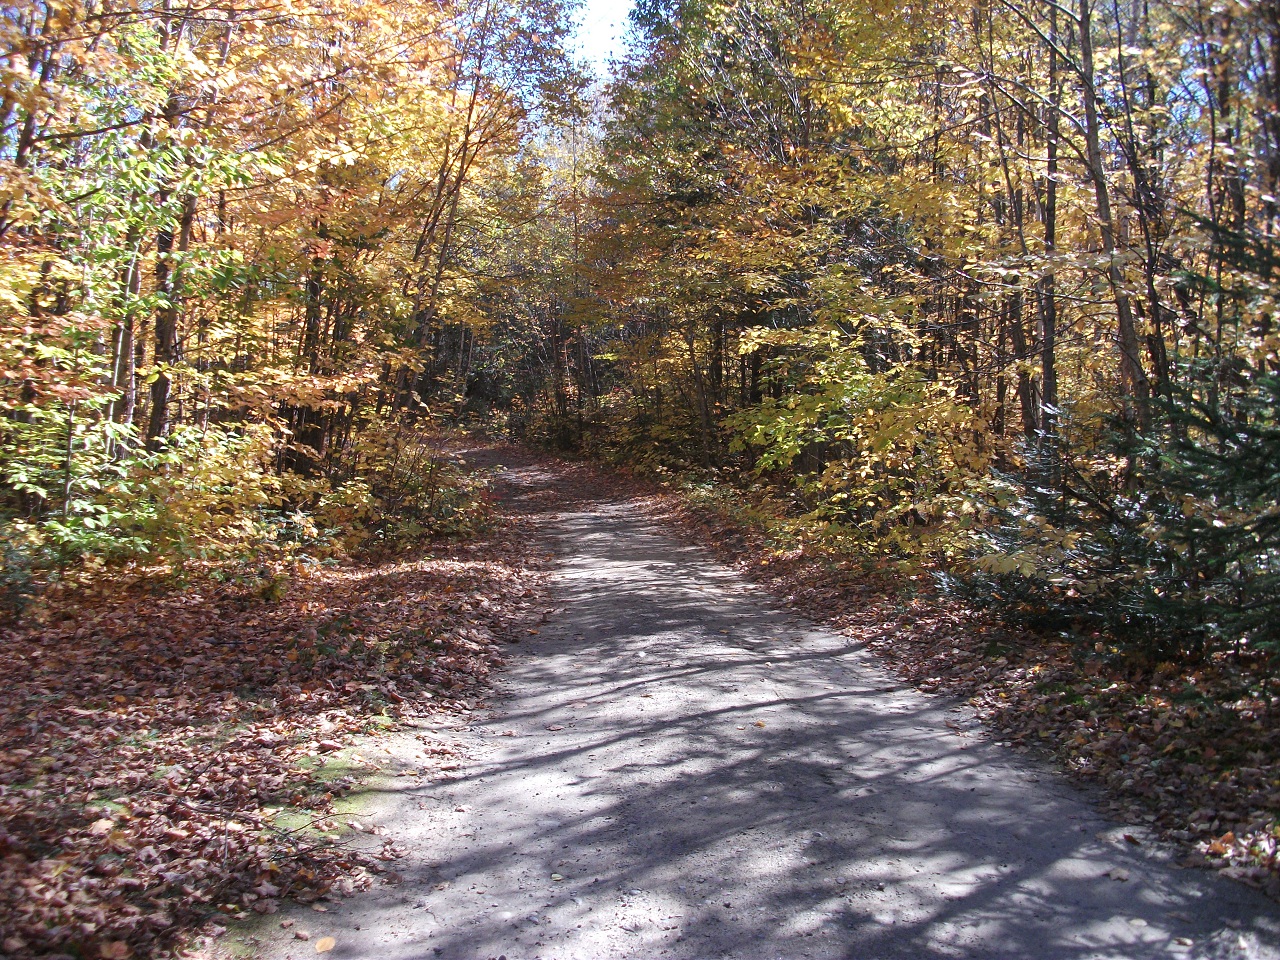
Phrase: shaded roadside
pixel 173 755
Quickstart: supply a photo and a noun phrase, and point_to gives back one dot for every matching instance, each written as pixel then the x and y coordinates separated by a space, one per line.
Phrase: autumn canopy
pixel 986 287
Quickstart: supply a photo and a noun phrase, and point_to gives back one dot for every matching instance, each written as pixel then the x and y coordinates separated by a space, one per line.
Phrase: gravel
pixel 674 767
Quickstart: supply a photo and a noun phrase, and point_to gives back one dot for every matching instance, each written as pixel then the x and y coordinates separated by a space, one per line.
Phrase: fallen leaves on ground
pixel 1193 750
pixel 150 737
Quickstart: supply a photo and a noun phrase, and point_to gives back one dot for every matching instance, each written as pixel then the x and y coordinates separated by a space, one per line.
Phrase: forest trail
pixel 674 767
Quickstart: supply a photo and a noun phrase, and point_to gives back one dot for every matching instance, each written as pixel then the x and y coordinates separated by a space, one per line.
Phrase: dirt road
pixel 673 767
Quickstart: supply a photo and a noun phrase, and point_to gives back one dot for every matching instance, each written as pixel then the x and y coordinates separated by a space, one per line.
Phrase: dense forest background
pixel 986 289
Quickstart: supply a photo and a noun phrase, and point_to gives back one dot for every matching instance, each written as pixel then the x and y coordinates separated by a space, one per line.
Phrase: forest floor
pixel 175 754
pixel 676 765
pixel 672 764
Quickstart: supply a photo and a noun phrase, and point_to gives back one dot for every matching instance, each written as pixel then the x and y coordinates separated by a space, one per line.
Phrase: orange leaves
pixel 1222 845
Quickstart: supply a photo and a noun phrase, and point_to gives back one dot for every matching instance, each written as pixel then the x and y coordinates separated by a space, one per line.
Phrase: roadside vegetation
pixel 172 754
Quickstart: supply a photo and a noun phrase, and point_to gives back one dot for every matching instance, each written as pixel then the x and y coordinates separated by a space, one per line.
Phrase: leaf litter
pixel 165 755
pixel 150 741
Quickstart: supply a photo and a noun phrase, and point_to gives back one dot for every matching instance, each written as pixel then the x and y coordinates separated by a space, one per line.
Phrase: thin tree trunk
pixel 1048 293
pixel 1133 379
pixel 168 284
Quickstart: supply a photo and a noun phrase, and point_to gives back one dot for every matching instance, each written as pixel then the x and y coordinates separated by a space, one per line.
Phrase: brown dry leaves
pixel 1195 751
pixel 147 740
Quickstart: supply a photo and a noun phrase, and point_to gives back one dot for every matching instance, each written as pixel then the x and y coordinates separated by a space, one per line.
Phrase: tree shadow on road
pixel 710 777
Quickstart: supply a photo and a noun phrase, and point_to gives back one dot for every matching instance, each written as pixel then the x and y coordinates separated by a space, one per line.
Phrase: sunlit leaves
pixel 909 264
pixel 247 216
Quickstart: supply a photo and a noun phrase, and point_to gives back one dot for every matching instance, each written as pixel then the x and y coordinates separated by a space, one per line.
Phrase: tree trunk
pixel 1133 379
pixel 169 286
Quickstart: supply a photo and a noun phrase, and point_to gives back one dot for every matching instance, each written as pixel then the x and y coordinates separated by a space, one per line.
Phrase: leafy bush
pixel 876 457
pixel 408 486
pixel 83 492
pixel 17 586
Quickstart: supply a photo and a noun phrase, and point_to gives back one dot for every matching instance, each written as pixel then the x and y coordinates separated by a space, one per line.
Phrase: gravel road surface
pixel 675 767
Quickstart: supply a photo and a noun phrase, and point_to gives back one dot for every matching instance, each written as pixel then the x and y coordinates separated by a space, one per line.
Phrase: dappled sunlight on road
pixel 674 768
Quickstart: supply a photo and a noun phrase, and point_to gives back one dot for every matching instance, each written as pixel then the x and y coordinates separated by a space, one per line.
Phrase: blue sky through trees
pixel 601 26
